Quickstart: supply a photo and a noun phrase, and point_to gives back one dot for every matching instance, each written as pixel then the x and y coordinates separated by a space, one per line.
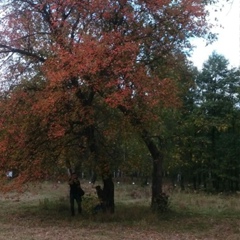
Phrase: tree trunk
pixel 182 184
pixel 156 181
pixel 108 190
pixel 157 172
pixel 156 150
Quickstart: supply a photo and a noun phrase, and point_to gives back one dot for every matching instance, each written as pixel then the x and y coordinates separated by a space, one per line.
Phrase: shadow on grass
pixel 57 213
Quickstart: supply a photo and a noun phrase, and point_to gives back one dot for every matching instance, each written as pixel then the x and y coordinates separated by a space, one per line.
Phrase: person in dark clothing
pixel 75 193
pixel 102 201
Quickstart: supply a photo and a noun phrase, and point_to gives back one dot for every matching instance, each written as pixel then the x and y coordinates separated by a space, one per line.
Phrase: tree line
pixel 206 151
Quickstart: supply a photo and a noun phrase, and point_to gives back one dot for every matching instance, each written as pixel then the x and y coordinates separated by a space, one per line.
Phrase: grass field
pixel 43 213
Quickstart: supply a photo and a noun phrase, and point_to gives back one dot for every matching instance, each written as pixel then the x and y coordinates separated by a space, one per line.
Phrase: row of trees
pixel 99 85
pixel 207 146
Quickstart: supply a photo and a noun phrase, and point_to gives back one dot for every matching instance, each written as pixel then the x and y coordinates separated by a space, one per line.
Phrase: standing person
pixel 76 193
pixel 102 201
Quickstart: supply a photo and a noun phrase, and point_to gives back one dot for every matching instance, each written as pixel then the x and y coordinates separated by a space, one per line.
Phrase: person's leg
pixel 72 204
pixel 79 203
pixel 103 206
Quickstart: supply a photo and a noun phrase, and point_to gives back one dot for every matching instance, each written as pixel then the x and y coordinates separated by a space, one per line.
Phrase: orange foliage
pixel 81 54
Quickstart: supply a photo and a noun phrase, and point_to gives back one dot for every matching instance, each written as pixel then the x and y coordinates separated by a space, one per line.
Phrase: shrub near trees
pixel 65 61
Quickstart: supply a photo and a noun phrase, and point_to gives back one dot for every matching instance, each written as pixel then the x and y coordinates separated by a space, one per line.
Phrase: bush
pixel 161 203
pixel 88 203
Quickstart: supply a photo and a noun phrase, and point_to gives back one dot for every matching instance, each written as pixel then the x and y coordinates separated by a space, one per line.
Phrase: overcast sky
pixel 228 43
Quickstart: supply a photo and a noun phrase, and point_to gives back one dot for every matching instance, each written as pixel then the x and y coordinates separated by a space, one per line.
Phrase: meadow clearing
pixel 42 212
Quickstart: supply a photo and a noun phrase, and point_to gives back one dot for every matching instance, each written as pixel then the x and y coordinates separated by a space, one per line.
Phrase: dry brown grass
pixel 43 213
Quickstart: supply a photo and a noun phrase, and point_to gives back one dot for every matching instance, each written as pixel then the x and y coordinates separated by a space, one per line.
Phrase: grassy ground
pixel 43 213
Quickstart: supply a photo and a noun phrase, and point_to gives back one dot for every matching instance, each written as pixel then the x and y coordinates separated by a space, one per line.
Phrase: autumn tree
pixel 120 53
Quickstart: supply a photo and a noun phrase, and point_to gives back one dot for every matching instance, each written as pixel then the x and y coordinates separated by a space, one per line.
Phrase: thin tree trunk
pixel 157 171
pixel 156 152
pixel 156 181
pixel 108 190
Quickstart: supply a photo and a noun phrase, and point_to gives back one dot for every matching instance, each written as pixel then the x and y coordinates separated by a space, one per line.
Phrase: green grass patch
pixel 47 206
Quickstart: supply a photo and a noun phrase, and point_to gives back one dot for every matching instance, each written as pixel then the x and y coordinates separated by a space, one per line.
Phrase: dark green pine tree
pixel 216 117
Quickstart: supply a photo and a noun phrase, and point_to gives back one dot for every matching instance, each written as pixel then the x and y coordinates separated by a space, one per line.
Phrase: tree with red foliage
pixel 122 54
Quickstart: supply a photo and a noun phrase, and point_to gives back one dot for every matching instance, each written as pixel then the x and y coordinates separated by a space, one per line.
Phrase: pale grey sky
pixel 228 43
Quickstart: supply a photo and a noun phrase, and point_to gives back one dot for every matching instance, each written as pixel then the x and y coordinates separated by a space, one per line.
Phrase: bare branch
pixel 8 49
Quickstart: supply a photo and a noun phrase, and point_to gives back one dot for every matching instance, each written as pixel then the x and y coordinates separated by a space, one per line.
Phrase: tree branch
pixel 8 49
